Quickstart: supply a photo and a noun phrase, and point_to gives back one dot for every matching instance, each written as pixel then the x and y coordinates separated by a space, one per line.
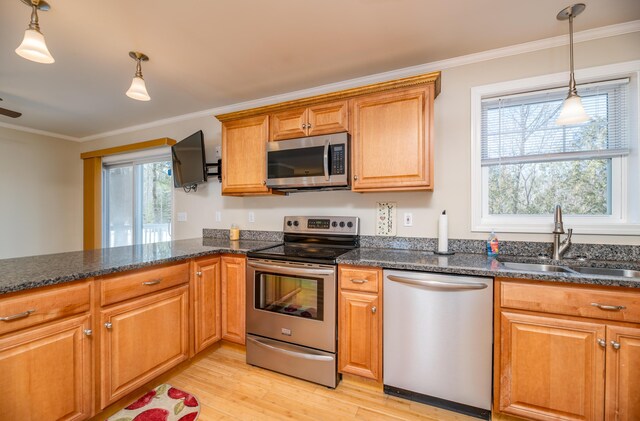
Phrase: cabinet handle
pixel 154 282
pixel 108 325
pixel 199 273
pixel 88 332
pixel 358 281
pixel 615 345
pixel 18 316
pixel 608 307
pixel 602 343
pixel 374 309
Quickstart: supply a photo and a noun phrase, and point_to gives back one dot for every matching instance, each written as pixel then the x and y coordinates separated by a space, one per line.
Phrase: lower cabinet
pixel 233 286
pixel 141 339
pixel 45 372
pixel 553 364
pixel 360 321
pixel 206 302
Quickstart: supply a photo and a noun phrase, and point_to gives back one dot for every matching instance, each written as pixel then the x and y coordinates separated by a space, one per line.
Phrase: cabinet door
pixel 45 373
pixel 288 124
pixel 360 335
pixel 623 373
pixel 328 118
pixel 233 298
pixel 392 148
pixel 140 339
pixel 207 303
pixel 551 369
pixel 244 149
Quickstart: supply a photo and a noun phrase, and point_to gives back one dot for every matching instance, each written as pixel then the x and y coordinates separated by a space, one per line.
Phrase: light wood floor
pixel 230 389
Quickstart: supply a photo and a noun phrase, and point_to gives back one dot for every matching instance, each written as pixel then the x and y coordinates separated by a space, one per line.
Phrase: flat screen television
pixel 189 162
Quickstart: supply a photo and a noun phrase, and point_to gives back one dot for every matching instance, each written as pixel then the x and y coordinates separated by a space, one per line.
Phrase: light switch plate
pixel 386 218
pixel 252 217
pixel 218 216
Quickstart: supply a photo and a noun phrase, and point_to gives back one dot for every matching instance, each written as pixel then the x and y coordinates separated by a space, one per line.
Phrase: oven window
pixel 291 295
pixel 303 162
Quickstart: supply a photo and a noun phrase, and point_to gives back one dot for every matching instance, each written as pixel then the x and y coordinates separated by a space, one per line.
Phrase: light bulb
pixel 138 90
pixel 572 111
pixel 34 48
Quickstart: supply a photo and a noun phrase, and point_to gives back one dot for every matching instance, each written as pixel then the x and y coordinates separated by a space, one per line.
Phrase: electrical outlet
pixel 252 217
pixel 218 152
pixel 408 219
pixel 218 216
pixel 182 217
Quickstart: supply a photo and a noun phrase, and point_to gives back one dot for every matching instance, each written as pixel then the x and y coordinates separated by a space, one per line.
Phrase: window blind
pixel 521 128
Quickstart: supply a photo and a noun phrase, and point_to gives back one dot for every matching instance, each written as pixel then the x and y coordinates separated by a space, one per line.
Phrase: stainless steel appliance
pixel 438 336
pixel 292 298
pixel 309 163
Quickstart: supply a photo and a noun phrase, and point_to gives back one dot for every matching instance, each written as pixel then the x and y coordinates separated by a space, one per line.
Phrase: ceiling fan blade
pixel 10 113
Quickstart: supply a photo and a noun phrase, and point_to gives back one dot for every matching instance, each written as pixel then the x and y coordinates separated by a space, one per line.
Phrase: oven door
pixel 292 302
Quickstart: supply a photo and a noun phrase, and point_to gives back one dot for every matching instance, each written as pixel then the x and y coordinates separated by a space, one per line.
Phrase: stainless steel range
pixel 292 298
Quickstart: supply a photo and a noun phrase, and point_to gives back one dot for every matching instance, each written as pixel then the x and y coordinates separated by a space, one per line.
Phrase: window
pixel 137 201
pixel 524 164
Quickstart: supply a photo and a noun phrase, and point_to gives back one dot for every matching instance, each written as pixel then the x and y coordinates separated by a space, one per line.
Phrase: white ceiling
pixel 210 53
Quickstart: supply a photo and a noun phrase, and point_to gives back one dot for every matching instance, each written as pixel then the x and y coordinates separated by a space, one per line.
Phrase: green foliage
pixel 156 195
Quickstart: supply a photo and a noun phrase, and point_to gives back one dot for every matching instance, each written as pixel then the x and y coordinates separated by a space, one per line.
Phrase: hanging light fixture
pixel 572 110
pixel 138 89
pixel 33 46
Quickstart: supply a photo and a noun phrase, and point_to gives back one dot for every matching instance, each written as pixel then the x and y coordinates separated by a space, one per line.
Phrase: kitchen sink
pixel 535 267
pixel 627 273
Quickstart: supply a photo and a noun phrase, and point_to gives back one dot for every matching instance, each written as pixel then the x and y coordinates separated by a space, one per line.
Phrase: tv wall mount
pixel 208 165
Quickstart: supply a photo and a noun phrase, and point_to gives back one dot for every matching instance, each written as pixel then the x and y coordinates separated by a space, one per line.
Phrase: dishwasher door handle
pixel 432 283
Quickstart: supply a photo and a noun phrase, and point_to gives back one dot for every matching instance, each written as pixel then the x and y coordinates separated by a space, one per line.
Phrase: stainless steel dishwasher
pixel 438 340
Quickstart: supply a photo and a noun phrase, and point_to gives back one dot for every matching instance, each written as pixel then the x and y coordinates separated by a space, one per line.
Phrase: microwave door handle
pixel 326 159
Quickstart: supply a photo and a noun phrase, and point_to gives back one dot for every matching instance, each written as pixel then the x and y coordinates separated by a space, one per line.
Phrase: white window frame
pixel 133 159
pixel 625 217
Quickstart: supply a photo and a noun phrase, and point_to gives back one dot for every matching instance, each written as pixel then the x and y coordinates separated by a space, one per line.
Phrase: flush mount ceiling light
pixel 138 89
pixel 572 110
pixel 33 46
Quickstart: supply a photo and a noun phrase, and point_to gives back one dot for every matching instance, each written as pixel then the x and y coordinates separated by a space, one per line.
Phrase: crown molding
pixel 579 37
pixel 39 132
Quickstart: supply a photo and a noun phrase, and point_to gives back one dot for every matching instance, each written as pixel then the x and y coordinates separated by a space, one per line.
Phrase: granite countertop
pixel 37 271
pixel 481 265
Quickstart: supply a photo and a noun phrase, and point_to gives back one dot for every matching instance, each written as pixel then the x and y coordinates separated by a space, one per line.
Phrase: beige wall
pixel 452 157
pixel 40 194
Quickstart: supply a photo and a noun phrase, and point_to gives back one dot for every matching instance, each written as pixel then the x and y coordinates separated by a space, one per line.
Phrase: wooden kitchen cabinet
pixel 560 356
pixel 360 321
pixel 142 338
pixel 206 302
pixel 244 156
pixel 392 140
pixel 309 121
pixel 46 355
pixel 233 299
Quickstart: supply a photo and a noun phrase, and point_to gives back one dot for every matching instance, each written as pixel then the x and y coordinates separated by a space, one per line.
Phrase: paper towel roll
pixel 443 233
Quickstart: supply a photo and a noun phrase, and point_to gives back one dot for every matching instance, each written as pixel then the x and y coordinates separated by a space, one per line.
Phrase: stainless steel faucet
pixel 559 248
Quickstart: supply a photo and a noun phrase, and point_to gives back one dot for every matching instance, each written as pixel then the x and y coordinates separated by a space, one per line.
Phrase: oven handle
pixel 326 159
pixel 291 353
pixel 291 271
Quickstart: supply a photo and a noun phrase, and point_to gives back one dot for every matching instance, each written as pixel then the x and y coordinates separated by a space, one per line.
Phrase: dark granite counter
pixel 481 265
pixel 37 271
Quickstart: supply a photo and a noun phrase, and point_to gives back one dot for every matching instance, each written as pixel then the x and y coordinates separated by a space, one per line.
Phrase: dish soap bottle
pixel 492 245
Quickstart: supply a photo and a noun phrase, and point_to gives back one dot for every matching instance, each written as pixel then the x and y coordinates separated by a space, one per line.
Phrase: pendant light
pixel 572 110
pixel 138 89
pixel 33 46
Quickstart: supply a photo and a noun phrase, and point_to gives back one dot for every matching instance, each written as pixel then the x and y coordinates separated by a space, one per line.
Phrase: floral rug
pixel 164 403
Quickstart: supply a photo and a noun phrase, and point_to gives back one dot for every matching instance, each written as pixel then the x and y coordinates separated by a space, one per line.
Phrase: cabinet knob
pixel 308 125
pixel 108 325
pixel 602 343
pixel 615 345
pixel 374 309
pixel 304 125
pixel 264 182
pixel 88 332
pixel 199 273
pixel 355 177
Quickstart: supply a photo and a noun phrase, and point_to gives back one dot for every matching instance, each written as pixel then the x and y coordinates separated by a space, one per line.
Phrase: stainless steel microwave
pixel 309 163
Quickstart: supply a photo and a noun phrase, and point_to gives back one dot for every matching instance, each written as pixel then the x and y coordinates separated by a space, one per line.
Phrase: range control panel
pixel 347 225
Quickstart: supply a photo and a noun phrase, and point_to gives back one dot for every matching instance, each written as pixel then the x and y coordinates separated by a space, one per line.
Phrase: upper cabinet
pixel 244 155
pixel 312 121
pixel 390 123
pixel 391 140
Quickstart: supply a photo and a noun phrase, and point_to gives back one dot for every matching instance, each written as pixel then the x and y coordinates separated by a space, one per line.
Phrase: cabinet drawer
pixel 573 301
pixel 35 307
pixel 364 279
pixel 122 287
